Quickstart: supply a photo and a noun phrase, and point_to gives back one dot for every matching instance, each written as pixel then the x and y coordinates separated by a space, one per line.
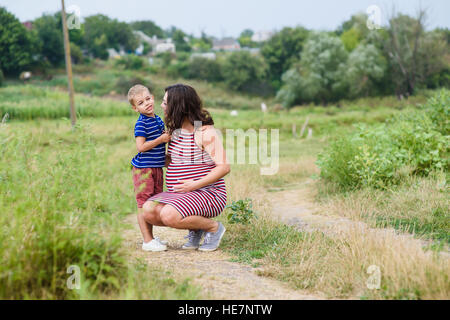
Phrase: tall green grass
pixel 28 102
pixel 62 206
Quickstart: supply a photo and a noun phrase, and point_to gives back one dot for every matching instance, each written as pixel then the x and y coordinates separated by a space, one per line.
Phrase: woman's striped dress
pixel 188 161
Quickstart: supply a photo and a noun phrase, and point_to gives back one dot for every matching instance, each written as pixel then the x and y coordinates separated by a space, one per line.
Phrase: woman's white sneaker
pixel 154 245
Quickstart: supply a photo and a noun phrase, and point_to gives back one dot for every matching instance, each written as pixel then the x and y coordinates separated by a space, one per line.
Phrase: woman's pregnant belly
pixel 182 171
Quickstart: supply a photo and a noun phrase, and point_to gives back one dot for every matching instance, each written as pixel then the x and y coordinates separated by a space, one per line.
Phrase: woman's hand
pixel 185 186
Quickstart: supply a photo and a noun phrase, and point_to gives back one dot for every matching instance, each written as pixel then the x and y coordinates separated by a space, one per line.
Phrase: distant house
pixel 158 45
pixel 226 44
pixel 261 36
pixel 165 47
pixel 28 25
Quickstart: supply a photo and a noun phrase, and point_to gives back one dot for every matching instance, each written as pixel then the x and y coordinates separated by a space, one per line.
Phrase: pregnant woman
pixel 194 177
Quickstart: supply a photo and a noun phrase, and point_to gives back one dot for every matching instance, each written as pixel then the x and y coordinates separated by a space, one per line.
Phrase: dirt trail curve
pixel 215 273
pixel 220 278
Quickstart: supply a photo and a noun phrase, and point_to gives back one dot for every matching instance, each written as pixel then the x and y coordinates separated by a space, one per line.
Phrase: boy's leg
pixel 144 188
pixel 146 228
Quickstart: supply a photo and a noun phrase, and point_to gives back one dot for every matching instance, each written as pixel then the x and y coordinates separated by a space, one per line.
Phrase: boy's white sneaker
pixel 154 245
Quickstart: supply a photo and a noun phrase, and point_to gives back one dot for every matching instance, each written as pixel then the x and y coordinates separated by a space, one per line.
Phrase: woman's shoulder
pixel 208 131
pixel 205 134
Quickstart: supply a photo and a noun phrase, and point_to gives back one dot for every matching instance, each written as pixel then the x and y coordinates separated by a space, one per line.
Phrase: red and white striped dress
pixel 188 161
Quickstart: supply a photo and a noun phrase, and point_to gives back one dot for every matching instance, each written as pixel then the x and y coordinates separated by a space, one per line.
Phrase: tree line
pixel 296 64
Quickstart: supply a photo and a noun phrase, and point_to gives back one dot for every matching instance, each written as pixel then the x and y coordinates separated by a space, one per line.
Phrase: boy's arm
pixel 143 145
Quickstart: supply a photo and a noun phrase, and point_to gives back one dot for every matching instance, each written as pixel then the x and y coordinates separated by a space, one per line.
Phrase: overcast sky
pixel 229 17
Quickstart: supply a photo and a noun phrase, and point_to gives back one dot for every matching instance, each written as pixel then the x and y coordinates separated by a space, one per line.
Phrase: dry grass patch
pixel 420 206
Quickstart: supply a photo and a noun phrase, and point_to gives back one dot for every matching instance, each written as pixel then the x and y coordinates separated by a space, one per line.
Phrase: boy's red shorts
pixel 147 182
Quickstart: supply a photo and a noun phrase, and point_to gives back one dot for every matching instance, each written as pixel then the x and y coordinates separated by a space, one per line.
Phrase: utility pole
pixel 73 116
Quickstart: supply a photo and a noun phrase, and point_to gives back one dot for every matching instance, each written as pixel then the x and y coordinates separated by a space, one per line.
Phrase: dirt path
pixel 296 207
pixel 222 279
pixel 212 271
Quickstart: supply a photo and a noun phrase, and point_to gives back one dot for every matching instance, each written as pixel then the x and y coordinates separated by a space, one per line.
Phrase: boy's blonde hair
pixel 134 90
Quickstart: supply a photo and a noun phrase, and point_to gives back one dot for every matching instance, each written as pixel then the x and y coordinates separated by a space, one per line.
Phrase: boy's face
pixel 144 103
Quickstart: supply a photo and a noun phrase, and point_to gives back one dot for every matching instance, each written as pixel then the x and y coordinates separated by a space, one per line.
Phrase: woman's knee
pixel 170 216
pixel 149 210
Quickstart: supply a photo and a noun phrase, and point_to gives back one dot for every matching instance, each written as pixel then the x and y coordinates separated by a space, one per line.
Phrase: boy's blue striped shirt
pixel 150 128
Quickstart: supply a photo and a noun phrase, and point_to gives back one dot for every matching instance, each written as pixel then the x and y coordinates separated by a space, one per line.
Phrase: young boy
pixel 148 163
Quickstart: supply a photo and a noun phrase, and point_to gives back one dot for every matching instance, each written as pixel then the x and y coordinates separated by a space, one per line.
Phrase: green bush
pixel 2 77
pixel 178 69
pixel 438 109
pixel 131 62
pixel 124 83
pixel 242 71
pixel 205 69
pixel 241 211
pixel 381 155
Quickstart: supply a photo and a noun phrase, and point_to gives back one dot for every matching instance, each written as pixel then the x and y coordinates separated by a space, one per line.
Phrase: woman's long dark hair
pixel 184 102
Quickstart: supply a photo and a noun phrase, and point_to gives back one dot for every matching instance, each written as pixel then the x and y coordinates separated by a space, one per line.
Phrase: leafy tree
pixel 283 50
pixel 437 54
pixel 317 77
pixel 147 48
pixel 179 39
pixel 2 77
pixel 76 53
pixel 357 21
pixel 50 37
pixel 243 71
pixel 48 29
pixel 149 28
pixel 16 44
pixel 205 69
pixel 98 47
pixel 351 38
pixel 415 55
pixel 101 33
pixel 170 31
pixel 245 39
pixel 365 67
pixel 202 44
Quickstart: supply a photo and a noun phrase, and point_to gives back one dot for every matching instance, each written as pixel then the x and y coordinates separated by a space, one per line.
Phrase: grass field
pixel 64 195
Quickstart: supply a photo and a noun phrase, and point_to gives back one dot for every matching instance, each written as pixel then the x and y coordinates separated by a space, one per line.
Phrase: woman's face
pixel 164 104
